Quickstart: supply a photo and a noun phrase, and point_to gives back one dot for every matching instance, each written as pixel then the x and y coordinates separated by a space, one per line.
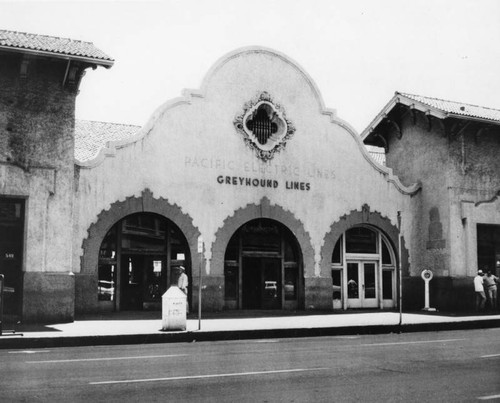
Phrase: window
pixel 337 284
pixel 387 282
pixel 361 240
pixel 386 255
pixel 337 252
pixel 488 247
pixel 231 280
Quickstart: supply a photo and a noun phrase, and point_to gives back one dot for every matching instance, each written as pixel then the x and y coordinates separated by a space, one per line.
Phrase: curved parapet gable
pixel 217 81
pixel 386 171
pixel 263 50
pixel 113 146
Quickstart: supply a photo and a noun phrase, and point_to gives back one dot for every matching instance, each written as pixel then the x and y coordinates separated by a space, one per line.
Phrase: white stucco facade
pixel 190 155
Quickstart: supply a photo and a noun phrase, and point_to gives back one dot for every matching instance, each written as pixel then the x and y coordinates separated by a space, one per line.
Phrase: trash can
pixel 174 309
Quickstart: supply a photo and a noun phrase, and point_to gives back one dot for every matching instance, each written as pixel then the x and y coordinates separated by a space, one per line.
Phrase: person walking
pixel 183 283
pixel 490 287
pixel 479 290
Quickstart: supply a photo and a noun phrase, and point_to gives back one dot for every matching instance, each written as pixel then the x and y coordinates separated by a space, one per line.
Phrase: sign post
pixel 400 271
pixel 1 302
pixel 427 277
pixel 200 251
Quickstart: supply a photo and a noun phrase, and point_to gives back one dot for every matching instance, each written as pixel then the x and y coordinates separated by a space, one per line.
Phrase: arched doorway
pixel 363 270
pixel 263 267
pixel 138 260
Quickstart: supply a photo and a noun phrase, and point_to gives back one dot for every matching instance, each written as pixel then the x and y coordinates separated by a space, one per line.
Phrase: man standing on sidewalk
pixel 479 289
pixel 490 287
pixel 182 283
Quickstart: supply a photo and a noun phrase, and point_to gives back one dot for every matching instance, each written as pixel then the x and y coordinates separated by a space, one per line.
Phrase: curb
pixel 19 342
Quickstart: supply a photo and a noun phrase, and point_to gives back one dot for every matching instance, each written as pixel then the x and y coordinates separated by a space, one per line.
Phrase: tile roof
pixel 440 108
pixel 377 153
pixel 457 108
pixel 51 44
pixel 91 137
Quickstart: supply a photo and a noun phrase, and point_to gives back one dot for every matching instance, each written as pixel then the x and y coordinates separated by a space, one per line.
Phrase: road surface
pixel 453 366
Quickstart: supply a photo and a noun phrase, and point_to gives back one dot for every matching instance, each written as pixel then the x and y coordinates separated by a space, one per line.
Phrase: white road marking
pixel 408 342
pixel 267 341
pixel 177 378
pixel 108 359
pixel 347 337
pixel 489 397
pixel 490 355
pixel 28 352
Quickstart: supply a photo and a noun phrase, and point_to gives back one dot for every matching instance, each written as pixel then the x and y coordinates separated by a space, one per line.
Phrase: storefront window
pixel 488 247
pixel 144 232
pixel 106 285
pixel 337 252
pixel 387 280
pixel 233 249
pixel 361 240
pixel 337 284
pixel 231 280
pixel 138 261
pixel 291 276
pixel 386 255
pixel 262 236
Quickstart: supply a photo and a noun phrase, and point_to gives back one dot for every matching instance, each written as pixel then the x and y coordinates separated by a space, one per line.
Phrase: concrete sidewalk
pixel 135 329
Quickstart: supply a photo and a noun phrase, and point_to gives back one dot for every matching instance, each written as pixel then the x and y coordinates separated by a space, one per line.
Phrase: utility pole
pixel 200 251
pixel 400 271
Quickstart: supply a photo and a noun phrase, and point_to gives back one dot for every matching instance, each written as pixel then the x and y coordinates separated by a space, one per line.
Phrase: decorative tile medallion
pixel 264 126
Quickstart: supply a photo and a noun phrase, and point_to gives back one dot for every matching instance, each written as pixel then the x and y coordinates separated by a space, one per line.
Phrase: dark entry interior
pixel 488 248
pixel 262 268
pixel 146 250
pixel 11 254
pixel 261 283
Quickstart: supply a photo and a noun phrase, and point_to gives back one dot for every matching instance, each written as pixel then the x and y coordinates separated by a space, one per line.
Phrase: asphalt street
pixel 451 366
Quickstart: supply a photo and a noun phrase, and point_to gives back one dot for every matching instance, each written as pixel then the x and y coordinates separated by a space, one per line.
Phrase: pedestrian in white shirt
pixel 479 290
pixel 182 283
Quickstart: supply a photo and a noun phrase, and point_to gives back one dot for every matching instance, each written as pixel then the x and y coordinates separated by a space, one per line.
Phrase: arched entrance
pixel 138 260
pixel 263 267
pixel 363 269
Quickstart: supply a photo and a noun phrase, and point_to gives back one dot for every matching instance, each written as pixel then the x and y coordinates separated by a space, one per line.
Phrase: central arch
pixel 290 271
pixel 263 267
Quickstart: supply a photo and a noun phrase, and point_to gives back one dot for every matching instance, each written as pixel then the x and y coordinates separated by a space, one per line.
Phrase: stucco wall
pixel 458 165
pixel 191 141
pixel 422 154
pixel 36 163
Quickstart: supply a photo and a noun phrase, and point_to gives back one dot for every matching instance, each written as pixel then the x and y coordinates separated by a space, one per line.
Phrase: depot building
pixel 267 198
pixel 251 179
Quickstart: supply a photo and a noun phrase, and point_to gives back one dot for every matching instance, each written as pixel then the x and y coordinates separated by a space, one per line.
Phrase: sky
pixel 358 52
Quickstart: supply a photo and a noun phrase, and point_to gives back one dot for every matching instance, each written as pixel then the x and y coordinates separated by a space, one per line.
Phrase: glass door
pixel 155 275
pixel 362 284
pixel 271 283
pixel 261 283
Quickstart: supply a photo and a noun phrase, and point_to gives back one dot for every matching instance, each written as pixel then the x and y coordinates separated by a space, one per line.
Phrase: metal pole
pixel 1 302
pixel 400 272
pixel 200 283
